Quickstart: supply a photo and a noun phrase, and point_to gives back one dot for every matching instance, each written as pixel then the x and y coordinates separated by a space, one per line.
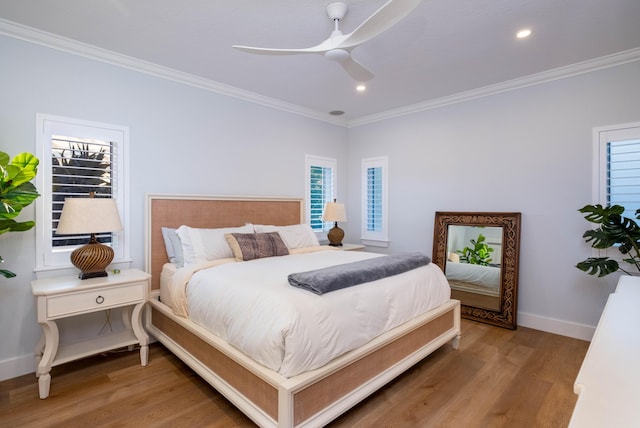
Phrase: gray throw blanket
pixel 333 278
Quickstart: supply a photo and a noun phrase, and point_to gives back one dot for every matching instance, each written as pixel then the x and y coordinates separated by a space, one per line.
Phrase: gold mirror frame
pixel 510 223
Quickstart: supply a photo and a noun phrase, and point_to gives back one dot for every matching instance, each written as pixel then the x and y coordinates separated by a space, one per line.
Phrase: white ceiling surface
pixel 443 48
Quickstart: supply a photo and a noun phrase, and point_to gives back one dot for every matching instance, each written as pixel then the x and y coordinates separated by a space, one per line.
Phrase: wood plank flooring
pixel 497 378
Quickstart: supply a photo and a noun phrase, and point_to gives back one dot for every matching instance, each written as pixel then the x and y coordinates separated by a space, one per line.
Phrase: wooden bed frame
pixel 312 398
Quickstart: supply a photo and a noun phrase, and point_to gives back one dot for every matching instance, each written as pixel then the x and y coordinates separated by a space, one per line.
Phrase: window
pixel 76 158
pixel 617 167
pixel 374 201
pixel 321 188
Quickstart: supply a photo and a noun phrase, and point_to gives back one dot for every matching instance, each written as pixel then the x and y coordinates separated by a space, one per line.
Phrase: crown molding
pixel 43 38
pixel 589 66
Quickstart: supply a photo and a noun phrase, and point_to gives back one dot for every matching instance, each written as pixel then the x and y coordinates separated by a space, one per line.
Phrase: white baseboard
pixel 18 366
pixel 552 325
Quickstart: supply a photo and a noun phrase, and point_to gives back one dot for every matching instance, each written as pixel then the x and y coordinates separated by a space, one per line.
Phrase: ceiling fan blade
pixel 269 51
pixel 384 18
pixel 317 49
pixel 356 70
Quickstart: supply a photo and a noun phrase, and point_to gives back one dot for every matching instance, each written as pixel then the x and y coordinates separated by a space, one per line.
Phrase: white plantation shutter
pixel 623 180
pixel 321 185
pixel 80 166
pixel 375 201
pixel 618 167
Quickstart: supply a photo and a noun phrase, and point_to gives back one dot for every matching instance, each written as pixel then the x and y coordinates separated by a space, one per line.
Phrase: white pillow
pixel 173 246
pixel 201 245
pixel 294 236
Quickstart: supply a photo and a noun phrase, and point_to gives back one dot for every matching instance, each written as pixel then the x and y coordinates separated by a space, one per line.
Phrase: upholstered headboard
pixel 163 210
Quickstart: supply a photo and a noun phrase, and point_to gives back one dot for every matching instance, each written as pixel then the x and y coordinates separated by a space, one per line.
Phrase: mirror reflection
pixel 479 254
pixel 474 255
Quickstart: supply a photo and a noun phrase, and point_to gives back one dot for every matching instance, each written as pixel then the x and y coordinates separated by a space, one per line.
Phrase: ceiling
pixel 442 49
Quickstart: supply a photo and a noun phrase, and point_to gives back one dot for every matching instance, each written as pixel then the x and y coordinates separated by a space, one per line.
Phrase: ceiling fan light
pixel 338 55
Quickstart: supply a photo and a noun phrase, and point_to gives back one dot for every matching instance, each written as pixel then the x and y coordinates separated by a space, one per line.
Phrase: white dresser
pixel 608 384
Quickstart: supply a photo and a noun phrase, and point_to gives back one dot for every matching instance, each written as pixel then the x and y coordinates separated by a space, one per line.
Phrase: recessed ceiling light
pixel 336 113
pixel 361 88
pixel 523 34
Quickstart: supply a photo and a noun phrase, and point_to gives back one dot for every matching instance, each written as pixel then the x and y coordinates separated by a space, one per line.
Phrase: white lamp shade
pixel 334 211
pixel 89 215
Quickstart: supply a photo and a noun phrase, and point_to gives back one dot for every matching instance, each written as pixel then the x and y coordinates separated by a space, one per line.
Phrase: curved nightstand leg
pixel 51 337
pixel 126 316
pixel 44 383
pixel 141 334
pixel 126 320
pixel 39 351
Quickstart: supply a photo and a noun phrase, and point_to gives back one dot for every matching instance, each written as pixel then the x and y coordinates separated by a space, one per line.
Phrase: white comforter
pixel 252 306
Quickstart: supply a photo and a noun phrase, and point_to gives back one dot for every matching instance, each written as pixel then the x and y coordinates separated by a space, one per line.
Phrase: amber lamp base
pixel 92 259
pixel 335 236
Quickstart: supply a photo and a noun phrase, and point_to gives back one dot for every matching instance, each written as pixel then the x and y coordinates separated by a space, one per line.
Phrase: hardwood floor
pixel 498 378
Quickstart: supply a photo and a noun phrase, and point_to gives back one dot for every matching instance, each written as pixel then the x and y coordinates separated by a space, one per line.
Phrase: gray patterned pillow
pixel 249 246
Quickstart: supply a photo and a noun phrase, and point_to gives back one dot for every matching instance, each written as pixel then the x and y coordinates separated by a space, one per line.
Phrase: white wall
pixel 183 140
pixel 528 150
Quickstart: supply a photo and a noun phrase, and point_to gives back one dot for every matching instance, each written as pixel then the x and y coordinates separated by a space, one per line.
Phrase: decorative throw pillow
pixel 249 246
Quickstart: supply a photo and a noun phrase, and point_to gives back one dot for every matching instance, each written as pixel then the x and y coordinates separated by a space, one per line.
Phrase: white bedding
pixel 289 330
pixel 485 276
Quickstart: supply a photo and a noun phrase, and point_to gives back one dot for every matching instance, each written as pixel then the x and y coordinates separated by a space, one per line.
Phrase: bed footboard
pixel 316 397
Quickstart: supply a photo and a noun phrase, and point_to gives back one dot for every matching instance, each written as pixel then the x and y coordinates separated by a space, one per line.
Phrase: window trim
pixel 379 238
pixel 601 136
pixel 48 259
pixel 324 162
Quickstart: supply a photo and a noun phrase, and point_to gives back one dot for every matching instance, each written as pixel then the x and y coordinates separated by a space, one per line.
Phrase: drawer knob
pixel 99 300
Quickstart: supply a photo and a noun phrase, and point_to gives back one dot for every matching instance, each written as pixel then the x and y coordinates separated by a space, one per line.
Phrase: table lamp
pixel 335 212
pixel 90 215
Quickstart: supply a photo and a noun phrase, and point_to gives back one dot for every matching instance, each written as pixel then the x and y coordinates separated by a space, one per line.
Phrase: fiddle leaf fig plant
pixel 16 192
pixel 614 230
pixel 480 254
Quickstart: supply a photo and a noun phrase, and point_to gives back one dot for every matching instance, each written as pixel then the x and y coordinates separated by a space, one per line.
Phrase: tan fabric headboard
pixel 209 212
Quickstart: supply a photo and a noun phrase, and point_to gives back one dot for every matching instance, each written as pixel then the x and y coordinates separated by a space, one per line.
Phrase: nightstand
pixel 68 296
pixel 351 247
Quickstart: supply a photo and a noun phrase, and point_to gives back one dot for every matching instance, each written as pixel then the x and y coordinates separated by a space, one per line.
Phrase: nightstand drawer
pixel 95 300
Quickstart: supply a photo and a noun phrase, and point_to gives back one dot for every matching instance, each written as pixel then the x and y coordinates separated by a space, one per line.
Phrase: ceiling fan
pixel 338 46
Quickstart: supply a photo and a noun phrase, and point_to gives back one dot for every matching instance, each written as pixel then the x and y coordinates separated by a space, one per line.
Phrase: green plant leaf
pixel 7 273
pixel 26 161
pixel 598 265
pixel 16 192
pixel 598 238
pixel 14 226
pixel 14 200
pixel 599 214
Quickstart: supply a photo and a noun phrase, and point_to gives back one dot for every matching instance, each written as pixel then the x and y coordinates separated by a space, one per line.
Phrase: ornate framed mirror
pixel 479 253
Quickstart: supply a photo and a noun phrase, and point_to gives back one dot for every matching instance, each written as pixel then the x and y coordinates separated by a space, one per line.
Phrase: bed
pixel 269 396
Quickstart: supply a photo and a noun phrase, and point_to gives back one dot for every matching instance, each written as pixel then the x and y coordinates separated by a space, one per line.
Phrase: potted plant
pixel 614 230
pixel 480 254
pixel 16 192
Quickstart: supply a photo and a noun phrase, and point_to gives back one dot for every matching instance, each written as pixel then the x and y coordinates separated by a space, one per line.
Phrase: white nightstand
pixel 67 296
